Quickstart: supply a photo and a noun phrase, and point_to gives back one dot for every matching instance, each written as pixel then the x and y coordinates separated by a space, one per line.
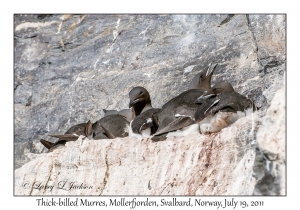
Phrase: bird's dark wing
pixel 145 120
pixel 178 123
pixel 114 125
pixel 178 112
pixel 68 137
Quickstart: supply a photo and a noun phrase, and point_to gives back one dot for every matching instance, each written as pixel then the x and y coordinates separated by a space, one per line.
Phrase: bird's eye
pixel 141 93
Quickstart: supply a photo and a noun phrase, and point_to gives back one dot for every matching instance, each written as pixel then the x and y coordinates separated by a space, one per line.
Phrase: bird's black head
pixel 218 88
pixel 139 99
pixel 222 87
pixel 203 78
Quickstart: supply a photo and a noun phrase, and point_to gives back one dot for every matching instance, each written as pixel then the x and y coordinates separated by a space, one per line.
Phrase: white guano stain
pixel 118 23
pixel 63 17
pixel 109 50
pixel 59 27
pixel 106 62
pixel 144 32
pixel 189 69
pixel 95 64
pixel 115 34
pixel 33 25
pixel 148 74
pixel 221 48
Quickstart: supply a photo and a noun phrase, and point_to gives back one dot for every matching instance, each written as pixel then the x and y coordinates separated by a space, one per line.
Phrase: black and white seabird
pixel 71 134
pixel 111 126
pixel 140 101
pixel 75 131
pixel 221 106
pixel 127 113
pixel 179 111
pixel 202 80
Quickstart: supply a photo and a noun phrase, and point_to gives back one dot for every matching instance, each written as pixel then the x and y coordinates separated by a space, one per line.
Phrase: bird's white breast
pixel 220 120
pixel 191 129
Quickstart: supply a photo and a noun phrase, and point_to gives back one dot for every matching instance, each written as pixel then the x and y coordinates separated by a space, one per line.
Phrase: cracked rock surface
pixel 67 68
pixel 270 163
pixel 215 164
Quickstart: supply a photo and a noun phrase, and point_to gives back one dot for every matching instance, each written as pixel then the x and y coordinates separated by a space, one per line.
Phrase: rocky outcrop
pixel 69 67
pixel 270 166
pixel 215 164
pixel 226 163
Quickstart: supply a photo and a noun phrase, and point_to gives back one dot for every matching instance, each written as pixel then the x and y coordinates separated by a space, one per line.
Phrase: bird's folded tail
pixel 46 143
pixel 88 129
pixel 161 137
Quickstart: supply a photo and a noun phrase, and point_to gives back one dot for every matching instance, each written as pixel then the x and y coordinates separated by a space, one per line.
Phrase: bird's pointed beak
pixel 131 103
pixel 211 70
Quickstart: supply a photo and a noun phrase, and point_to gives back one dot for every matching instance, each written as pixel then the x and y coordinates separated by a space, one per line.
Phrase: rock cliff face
pixel 69 67
pixel 216 164
pixel 225 163
pixel 270 160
